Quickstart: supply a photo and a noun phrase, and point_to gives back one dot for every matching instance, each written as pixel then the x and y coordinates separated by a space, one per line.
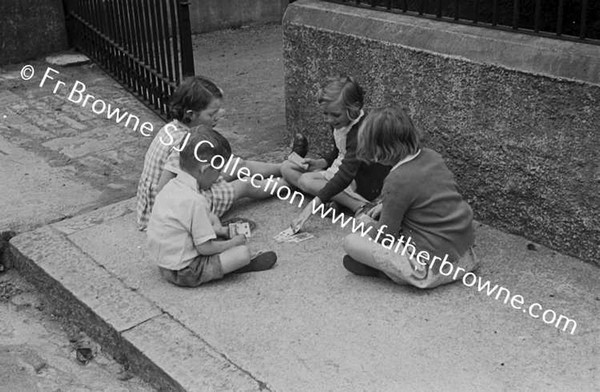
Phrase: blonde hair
pixel 387 135
pixel 345 90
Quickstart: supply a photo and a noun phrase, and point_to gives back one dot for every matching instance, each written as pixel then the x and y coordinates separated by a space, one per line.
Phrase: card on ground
pixel 300 237
pixel 284 235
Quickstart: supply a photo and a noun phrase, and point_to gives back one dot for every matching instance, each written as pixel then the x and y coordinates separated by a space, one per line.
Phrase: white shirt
pixel 179 222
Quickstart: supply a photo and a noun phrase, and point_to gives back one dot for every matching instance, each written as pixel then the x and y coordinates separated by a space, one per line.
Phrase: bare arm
pixel 213 247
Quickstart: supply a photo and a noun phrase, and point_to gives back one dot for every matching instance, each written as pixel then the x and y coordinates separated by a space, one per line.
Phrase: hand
pixel 315 164
pixel 304 215
pixel 239 239
pixel 375 212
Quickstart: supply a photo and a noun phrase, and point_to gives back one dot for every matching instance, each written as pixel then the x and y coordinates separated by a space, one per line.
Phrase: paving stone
pixel 186 358
pixel 81 277
pixel 68 59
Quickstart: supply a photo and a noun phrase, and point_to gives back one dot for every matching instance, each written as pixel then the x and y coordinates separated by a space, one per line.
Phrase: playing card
pixel 284 235
pixel 239 228
pixel 300 237
pixel 297 159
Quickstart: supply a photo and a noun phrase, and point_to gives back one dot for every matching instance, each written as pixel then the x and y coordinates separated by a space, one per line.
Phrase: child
pixel 197 101
pixel 421 207
pixel 182 233
pixel 340 176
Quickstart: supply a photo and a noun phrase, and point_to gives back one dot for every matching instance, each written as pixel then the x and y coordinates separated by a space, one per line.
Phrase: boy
pixel 182 233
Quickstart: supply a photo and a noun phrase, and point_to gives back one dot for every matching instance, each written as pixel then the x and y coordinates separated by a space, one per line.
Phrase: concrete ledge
pixel 537 55
pixel 127 325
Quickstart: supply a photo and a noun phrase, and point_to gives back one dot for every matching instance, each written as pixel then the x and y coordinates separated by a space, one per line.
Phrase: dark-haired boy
pixel 183 233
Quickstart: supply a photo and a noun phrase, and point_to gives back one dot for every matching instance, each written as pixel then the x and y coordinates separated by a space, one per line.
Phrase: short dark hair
pixel 204 143
pixel 387 134
pixel 193 93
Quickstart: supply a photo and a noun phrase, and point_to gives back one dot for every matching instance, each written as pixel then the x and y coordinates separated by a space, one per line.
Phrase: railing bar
pixel 175 38
pixel 128 44
pixel 185 36
pixel 538 15
pixel 133 39
pixel 516 10
pixel 165 25
pixel 160 49
pixel 143 54
pixel 456 9
pixel 476 12
pixel 560 17
pixel 583 21
pixel 122 42
pixel 112 28
pixel 439 9
pixel 151 54
pixel 494 12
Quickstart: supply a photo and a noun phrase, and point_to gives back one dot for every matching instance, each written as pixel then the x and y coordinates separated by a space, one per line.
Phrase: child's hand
pixel 375 212
pixel 239 239
pixel 315 164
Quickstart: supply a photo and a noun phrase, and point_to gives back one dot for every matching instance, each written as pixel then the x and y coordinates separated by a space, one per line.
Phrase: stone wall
pixel 209 15
pixel 30 29
pixel 516 117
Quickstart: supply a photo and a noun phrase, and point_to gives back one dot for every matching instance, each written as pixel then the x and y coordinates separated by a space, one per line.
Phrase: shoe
pixel 359 268
pixel 300 145
pixel 262 261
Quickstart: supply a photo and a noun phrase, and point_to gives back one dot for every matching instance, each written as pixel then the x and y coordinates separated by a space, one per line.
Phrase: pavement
pixel 306 325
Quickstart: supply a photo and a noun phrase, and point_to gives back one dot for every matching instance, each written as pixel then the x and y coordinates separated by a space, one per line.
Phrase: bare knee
pixel 306 184
pixel 351 242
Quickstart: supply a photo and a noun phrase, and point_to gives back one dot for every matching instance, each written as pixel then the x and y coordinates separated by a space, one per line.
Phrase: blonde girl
pixel 423 220
pixel 340 176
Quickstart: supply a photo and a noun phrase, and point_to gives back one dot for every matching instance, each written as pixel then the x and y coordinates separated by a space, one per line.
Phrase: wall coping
pixel 553 58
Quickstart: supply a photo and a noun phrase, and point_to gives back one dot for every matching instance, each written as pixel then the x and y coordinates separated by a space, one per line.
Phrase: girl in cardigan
pixel 340 176
pixel 424 236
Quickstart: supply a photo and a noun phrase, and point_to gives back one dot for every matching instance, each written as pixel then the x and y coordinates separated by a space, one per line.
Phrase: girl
pixel 421 207
pixel 195 103
pixel 340 176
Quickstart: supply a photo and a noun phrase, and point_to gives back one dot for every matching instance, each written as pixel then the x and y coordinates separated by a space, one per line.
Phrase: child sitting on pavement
pixel 340 177
pixel 197 101
pixel 422 211
pixel 183 234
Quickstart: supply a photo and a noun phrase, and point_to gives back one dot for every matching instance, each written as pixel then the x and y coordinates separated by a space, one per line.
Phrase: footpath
pixel 68 178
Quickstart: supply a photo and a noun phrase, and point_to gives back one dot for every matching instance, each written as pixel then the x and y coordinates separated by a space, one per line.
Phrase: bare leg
pixel 234 258
pixel 313 183
pixel 291 173
pixel 265 168
pixel 359 248
pixel 267 188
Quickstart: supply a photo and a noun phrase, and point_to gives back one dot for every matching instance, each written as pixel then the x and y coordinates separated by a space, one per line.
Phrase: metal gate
pixel 146 45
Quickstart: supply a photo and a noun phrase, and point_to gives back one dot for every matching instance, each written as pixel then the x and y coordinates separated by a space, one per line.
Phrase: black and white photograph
pixel 299 195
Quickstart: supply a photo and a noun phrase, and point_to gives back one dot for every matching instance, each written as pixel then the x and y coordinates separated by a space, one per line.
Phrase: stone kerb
pixel 512 114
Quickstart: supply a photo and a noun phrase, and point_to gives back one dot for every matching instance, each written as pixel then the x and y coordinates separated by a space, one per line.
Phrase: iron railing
pixel 146 45
pixel 574 20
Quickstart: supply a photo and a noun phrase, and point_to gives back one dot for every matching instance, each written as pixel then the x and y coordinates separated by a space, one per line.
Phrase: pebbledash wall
pixel 516 117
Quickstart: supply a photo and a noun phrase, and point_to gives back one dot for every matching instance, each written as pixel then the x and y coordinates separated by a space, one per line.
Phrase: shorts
pixel 220 195
pixel 201 270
